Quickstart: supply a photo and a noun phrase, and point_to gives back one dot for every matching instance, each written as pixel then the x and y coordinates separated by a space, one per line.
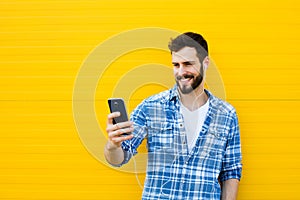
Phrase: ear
pixel 205 62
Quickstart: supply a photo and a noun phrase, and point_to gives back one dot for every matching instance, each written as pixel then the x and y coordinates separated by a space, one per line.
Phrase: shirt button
pixel 180 125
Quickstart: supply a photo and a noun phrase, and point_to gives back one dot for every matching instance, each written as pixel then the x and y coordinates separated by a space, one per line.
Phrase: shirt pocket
pixel 160 136
pixel 213 144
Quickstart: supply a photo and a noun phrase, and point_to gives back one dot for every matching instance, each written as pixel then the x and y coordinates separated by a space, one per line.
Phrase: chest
pixel 168 134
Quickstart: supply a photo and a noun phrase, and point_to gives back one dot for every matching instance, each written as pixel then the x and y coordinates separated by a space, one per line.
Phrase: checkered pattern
pixel 173 172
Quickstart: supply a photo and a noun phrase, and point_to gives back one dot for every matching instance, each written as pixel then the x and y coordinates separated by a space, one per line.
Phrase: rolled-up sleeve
pixel 232 161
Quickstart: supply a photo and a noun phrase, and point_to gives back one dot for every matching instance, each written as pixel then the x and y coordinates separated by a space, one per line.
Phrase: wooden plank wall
pixel 255 45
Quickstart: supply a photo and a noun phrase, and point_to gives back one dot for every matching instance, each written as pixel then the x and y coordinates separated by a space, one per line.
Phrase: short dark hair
pixel 190 39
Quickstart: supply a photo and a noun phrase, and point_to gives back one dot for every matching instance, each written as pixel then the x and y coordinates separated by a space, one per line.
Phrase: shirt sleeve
pixel 231 165
pixel 129 147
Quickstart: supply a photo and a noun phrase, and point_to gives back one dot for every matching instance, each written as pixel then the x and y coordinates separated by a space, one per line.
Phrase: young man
pixel 193 137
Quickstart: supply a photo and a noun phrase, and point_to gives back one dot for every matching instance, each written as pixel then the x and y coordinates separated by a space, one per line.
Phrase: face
pixel 188 70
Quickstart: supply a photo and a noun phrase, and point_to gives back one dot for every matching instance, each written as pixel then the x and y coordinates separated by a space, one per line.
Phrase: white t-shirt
pixel 193 122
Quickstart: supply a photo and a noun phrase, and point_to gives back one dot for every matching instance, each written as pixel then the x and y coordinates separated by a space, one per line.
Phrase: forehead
pixel 185 54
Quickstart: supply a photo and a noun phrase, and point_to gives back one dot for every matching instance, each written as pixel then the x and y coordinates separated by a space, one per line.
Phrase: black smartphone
pixel 118 105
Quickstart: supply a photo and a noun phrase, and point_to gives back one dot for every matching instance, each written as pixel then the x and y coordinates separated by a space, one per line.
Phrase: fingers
pixel 113 127
pixel 118 135
pixel 119 132
pixel 122 138
pixel 111 117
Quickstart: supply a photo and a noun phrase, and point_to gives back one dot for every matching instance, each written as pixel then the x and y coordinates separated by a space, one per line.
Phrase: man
pixel 192 136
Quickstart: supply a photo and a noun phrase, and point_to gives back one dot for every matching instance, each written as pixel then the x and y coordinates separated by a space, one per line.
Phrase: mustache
pixel 178 78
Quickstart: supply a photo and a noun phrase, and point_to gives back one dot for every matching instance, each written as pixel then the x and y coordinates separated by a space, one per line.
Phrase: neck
pixel 194 99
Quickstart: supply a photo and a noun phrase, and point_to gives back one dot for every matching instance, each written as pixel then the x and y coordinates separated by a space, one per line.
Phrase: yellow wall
pixel 43 44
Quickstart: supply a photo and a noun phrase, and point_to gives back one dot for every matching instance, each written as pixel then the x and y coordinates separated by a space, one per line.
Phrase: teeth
pixel 185 79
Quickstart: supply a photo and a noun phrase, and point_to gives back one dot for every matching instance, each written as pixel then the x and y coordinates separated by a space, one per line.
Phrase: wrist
pixel 110 146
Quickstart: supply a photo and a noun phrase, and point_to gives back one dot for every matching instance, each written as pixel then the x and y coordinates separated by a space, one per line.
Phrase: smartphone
pixel 118 105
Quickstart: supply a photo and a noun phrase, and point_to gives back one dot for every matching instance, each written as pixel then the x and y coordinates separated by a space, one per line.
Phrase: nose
pixel 181 69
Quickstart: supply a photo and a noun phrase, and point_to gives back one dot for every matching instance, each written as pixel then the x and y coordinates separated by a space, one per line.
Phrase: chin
pixel 186 89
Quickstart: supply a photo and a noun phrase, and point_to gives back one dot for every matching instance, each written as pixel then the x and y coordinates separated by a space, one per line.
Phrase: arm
pixel 232 167
pixel 113 152
pixel 230 189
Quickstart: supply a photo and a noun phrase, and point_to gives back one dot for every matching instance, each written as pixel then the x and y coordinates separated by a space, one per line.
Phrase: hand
pixel 115 131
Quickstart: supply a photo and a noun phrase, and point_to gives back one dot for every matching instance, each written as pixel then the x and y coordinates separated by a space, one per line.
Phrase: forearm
pixel 230 189
pixel 114 155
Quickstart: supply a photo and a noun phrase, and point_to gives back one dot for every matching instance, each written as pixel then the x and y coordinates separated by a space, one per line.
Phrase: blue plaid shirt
pixel 174 172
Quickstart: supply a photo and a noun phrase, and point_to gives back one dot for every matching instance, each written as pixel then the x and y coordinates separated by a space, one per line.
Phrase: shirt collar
pixel 173 95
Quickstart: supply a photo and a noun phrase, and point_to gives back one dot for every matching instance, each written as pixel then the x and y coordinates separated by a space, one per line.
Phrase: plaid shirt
pixel 173 172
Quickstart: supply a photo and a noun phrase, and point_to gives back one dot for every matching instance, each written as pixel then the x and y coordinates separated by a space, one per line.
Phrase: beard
pixel 186 89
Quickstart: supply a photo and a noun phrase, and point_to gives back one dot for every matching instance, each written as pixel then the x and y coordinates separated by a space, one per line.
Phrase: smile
pixel 185 78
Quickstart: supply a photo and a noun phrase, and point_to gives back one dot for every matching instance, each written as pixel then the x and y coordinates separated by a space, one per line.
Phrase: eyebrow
pixel 185 63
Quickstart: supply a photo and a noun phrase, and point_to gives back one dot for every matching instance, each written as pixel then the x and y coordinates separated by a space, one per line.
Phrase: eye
pixel 175 64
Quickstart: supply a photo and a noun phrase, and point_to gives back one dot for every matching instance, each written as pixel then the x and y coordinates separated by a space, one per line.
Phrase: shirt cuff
pixel 234 173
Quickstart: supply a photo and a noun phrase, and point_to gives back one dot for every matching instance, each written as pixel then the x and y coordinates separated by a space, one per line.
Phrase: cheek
pixel 175 72
pixel 195 70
